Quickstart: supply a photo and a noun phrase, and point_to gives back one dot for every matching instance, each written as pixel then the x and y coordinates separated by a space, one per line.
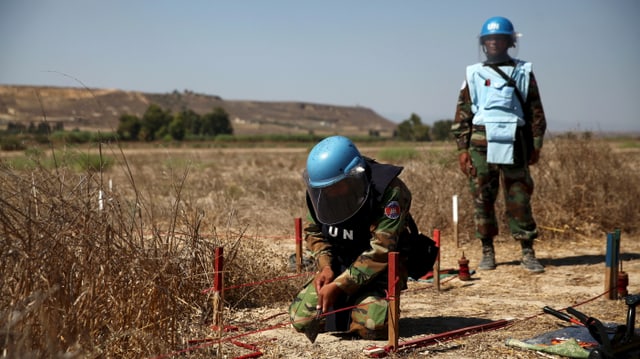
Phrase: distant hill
pixel 100 109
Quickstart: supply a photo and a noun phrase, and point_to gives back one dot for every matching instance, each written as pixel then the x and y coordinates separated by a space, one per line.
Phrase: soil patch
pixel 574 276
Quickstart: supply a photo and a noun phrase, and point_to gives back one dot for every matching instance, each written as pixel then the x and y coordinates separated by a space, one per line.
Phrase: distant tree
pixel 441 130
pixel 155 122
pixel 422 132
pixel 14 128
pixel 129 127
pixel 177 128
pixel 163 131
pixel 216 123
pixel 223 126
pixel 144 134
pixel 404 131
pixel 191 121
pixel 412 129
pixel 43 128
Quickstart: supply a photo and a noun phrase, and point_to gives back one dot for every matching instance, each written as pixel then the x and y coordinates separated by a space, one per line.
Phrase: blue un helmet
pixel 336 179
pixel 498 26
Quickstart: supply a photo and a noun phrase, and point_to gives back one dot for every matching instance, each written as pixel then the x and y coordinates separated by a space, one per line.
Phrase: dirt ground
pixel 574 276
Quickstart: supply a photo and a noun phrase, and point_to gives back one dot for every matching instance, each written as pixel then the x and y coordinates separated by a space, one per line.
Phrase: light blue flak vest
pixel 496 106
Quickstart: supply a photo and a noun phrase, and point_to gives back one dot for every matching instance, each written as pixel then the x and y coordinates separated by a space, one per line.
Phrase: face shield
pixel 495 49
pixel 339 201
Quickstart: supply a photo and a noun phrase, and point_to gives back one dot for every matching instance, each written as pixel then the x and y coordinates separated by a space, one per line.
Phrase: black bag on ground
pixel 420 251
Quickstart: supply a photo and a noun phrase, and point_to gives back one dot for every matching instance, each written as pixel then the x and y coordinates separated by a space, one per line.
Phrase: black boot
pixel 488 261
pixel 529 260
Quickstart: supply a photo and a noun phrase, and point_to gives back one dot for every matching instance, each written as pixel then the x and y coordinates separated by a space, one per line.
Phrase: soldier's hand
pixel 464 160
pixel 323 277
pixel 327 296
pixel 535 156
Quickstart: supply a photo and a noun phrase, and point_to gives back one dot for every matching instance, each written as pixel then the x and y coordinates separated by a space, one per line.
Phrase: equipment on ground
pixel 619 342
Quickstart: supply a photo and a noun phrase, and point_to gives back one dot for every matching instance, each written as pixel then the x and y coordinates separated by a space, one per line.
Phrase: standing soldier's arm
pixel 461 129
pixel 534 114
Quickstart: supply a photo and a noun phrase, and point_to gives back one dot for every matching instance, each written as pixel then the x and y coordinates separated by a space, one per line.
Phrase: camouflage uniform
pixel 516 180
pixel 359 260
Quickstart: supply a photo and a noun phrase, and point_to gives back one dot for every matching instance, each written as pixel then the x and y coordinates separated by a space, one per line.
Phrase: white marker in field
pixel 454 199
pixel 100 200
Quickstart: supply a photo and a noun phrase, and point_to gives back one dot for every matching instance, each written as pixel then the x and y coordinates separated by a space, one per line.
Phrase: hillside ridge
pixel 101 108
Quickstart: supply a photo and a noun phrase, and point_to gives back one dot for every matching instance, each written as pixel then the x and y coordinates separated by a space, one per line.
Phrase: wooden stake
pixel 436 264
pixel 298 222
pixel 394 300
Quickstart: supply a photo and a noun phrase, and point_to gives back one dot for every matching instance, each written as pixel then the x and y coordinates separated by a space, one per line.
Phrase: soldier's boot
pixel 529 260
pixel 488 261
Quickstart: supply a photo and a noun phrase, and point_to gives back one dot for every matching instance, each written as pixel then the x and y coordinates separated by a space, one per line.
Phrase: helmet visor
pixel 339 201
pixel 498 48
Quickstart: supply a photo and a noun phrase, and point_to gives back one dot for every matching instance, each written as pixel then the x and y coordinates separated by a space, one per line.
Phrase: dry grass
pixel 584 187
pixel 127 280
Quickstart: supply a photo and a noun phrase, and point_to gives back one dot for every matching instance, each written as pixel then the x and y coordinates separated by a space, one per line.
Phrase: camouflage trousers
pixel 517 187
pixel 368 319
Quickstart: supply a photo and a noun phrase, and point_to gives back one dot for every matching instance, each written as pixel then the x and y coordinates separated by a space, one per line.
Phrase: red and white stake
pixel 394 300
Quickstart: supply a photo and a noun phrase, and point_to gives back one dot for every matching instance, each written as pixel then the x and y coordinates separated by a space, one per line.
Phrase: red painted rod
pixel 379 352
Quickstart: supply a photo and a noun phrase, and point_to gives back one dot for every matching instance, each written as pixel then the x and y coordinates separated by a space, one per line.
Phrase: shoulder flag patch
pixel 392 210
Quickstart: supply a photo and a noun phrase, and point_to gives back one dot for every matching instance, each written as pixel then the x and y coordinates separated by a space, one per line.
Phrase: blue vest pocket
pixel 500 139
pixel 500 98
pixel 501 131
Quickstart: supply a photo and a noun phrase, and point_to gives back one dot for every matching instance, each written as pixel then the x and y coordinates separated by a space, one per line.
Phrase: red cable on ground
pixel 268 280
pixel 430 285
pixel 237 326
pixel 255 354
pixel 376 351
pixel 379 352
pixel 183 235
pixel 221 340
pixel 210 342
pixel 211 289
pixel 256 351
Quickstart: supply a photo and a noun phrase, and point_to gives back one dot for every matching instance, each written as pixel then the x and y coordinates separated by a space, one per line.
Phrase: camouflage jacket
pixel 462 128
pixel 359 247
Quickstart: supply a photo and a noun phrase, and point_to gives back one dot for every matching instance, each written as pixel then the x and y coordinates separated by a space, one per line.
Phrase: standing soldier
pixel 499 127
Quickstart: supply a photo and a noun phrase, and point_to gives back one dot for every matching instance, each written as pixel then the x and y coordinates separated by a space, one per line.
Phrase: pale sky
pixel 395 57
